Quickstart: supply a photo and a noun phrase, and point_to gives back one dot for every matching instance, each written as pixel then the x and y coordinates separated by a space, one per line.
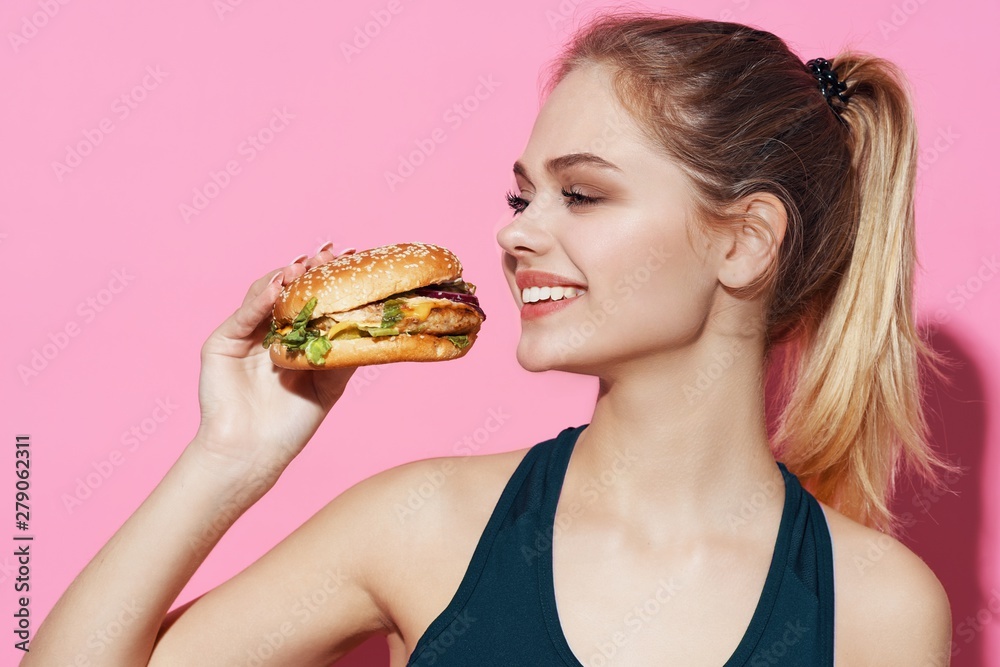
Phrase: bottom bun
pixel 377 350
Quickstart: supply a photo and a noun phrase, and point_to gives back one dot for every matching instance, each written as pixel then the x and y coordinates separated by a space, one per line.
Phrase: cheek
pixel 662 293
pixel 654 292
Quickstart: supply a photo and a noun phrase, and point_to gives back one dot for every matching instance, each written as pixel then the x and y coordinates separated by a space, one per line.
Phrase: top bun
pixel 351 281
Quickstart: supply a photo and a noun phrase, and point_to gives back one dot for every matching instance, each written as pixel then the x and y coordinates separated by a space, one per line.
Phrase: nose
pixel 527 233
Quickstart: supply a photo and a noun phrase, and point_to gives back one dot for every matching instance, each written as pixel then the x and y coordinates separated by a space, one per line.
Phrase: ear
pixel 749 249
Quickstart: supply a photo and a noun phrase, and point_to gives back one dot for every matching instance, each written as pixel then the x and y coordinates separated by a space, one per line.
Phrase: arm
pixel 310 599
pixel 255 420
pixel 112 611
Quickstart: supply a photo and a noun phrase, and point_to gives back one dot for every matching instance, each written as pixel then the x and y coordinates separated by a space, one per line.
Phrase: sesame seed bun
pixel 353 280
pixel 362 280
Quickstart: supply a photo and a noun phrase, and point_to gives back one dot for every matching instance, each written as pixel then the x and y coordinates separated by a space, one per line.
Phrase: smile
pixel 554 293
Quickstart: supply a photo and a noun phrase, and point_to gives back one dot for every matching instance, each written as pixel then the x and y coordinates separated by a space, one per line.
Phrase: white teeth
pixel 550 293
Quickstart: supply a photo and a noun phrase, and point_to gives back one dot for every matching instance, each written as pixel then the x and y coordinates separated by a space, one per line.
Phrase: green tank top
pixel 504 611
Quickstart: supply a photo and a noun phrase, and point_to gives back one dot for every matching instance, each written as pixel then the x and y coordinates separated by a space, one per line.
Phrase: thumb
pixel 255 310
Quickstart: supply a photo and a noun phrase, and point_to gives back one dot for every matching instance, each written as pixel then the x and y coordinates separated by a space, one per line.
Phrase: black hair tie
pixel 831 88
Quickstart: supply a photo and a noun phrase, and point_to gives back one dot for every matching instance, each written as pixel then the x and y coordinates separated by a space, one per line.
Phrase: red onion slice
pixel 468 299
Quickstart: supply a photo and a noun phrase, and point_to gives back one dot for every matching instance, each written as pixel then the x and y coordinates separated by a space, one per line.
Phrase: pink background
pixel 111 229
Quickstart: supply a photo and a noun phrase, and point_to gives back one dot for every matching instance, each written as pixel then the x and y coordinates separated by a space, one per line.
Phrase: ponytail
pixel 854 414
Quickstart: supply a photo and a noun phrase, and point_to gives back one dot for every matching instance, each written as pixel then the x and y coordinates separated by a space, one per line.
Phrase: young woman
pixel 692 200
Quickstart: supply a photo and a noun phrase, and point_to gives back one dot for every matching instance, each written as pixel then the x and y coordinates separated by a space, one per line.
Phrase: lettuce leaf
pixel 391 313
pixel 271 335
pixel 459 341
pixel 316 349
pixel 303 317
pixel 300 337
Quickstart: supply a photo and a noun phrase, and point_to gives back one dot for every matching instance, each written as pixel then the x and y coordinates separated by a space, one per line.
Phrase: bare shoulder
pixel 891 609
pixel 434 489
pixel 427 517
pixel 412 499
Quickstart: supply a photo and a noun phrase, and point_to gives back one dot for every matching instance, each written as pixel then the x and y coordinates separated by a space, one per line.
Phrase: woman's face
pixel 601 209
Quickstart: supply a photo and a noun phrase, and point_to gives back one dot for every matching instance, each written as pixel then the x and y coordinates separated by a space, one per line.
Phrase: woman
pixel 691 196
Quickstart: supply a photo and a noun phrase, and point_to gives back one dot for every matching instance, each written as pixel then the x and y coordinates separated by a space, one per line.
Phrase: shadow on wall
pixel 944 527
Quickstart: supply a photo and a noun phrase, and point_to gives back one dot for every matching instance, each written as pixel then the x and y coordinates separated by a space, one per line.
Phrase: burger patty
pixel 451 321
pixel 445 318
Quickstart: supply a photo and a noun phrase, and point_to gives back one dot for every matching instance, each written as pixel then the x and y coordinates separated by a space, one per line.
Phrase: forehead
pixel 583 115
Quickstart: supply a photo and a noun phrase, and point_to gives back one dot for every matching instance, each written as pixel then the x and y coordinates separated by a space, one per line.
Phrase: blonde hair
pixel 740 113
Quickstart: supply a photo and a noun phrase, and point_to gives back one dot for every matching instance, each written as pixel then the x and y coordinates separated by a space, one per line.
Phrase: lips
pixel 542 293
pixel 533 310
pixel 531 278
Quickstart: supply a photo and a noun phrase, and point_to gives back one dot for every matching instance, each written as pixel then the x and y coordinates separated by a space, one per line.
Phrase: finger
pixel 330 246
pixel 258 303
pixel 325 254
pixel 319 259
pixel 321 256
pixel 255 309
pixel 290 272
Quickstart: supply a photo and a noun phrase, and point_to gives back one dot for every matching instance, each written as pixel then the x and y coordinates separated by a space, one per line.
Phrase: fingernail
pixel 325 246
pixel 300 258
pixel 275 277
pixel 348 251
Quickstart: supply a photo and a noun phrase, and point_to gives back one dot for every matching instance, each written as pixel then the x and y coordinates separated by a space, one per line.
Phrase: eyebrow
pixel 562 162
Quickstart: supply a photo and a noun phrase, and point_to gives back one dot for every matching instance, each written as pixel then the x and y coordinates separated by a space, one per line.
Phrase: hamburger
pixel 400 302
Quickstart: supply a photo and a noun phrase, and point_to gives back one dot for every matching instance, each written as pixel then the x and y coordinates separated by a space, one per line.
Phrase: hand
pixel 256 417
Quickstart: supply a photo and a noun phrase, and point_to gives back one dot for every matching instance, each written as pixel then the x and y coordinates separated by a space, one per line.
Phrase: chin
pixel 534 360
pixel 536 355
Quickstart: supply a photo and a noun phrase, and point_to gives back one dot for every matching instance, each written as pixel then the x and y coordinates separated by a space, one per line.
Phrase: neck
pixel 684 454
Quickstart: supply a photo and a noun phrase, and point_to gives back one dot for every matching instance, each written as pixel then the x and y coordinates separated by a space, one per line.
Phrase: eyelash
pixel 518 204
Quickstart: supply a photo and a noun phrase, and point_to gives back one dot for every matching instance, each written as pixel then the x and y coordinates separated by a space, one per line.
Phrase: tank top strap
pixel 524 495
pixel 797 601
pixel 810 559
pixel 547 478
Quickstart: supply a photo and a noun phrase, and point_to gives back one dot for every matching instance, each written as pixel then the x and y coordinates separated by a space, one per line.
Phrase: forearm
pixel 113 610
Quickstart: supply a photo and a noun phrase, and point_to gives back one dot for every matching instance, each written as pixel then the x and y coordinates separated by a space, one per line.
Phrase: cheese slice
pixel 341 326
pixel 420 310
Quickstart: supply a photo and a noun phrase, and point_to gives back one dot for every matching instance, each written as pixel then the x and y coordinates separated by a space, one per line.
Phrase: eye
pixel 578 198
pixel 518 204
pixel 575 199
